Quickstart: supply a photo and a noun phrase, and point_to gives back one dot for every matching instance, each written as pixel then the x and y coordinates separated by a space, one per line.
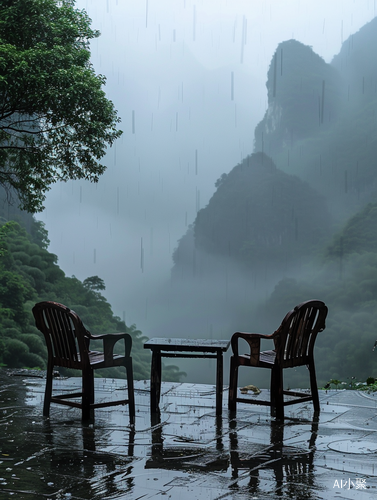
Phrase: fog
pixel 188 80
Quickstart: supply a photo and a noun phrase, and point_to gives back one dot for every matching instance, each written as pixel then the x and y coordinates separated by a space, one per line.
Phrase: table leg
pixel 219 383
pixel 155 380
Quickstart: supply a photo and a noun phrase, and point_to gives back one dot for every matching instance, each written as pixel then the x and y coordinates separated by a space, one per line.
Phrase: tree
pixel 94 283
pixel 55 120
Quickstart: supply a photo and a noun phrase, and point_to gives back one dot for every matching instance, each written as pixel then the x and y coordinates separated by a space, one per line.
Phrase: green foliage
pixel 335 382
pixel 94 283
pixel 30 274
pixel 55 122
pixel 345 348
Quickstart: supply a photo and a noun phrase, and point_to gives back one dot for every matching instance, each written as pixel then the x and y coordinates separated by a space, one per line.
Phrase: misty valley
pixel 295 219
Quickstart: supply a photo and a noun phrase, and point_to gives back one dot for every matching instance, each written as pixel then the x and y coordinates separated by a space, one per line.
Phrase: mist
pixel 189 81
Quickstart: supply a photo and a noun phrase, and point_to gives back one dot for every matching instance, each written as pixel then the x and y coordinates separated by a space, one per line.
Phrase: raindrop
pixel 322 100
pixel 196 162
pixel 133 121
pixel 141 256
pixel 232 86
pixel 243 39
pixel 194 23
pixel 197 202
pixel 146 13
pixel 117 202
pixel 95 256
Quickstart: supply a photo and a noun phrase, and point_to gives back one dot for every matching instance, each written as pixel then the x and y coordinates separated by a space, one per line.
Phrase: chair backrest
pixel 64 333
pixel 295 338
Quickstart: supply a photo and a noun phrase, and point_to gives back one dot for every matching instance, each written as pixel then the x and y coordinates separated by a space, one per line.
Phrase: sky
pixel 188 80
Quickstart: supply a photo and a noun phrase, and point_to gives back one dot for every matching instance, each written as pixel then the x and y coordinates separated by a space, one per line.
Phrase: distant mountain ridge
pixel 296 219
pixel 321 121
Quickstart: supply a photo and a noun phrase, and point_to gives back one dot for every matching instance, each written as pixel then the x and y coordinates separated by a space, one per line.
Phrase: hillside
pixel 258 215
pixel 29 273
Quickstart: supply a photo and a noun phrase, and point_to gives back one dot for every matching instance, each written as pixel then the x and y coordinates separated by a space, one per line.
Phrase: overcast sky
pixel 188 79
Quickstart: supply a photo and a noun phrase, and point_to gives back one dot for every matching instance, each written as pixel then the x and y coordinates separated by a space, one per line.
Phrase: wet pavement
pixel 186 452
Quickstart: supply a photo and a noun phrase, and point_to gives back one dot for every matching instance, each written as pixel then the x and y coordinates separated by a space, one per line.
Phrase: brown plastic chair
pixel 294 344
pixel 68 346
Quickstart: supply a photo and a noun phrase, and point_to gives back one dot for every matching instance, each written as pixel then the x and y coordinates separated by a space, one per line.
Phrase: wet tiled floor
pixel 187 452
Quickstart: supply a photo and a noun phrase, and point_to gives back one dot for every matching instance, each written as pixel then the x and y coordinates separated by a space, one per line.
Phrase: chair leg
pixel 87 392
pixel 131 392
pixel 276 391
pixel 313 386
pixel 233 380
pixel 48 390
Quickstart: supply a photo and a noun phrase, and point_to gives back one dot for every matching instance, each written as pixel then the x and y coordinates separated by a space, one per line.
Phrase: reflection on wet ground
pixel 186 452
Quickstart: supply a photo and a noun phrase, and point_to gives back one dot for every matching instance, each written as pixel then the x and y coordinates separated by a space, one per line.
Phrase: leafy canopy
pixel 55 120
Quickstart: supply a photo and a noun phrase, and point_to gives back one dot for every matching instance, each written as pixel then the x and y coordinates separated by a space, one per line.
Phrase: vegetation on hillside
pixel 29 273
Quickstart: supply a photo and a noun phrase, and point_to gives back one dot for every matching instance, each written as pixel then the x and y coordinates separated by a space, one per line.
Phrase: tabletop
pixel 199 345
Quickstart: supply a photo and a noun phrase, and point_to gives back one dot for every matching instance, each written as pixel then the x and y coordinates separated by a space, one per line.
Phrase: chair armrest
pixel 109 341
pixel 253 339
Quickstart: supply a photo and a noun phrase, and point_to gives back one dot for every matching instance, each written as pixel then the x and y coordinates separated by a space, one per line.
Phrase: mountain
pixel 303 98
pixel 297 218
pixel 321 119
pixel 258 215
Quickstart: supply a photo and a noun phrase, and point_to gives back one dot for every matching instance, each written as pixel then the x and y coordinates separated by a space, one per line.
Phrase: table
pixel 185 348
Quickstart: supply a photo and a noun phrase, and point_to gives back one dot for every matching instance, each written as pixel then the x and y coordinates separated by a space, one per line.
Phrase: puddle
pixel 186 452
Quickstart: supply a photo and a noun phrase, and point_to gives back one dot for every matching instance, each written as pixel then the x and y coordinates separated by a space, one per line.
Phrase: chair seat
pixel 97 360
pixel 266 359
